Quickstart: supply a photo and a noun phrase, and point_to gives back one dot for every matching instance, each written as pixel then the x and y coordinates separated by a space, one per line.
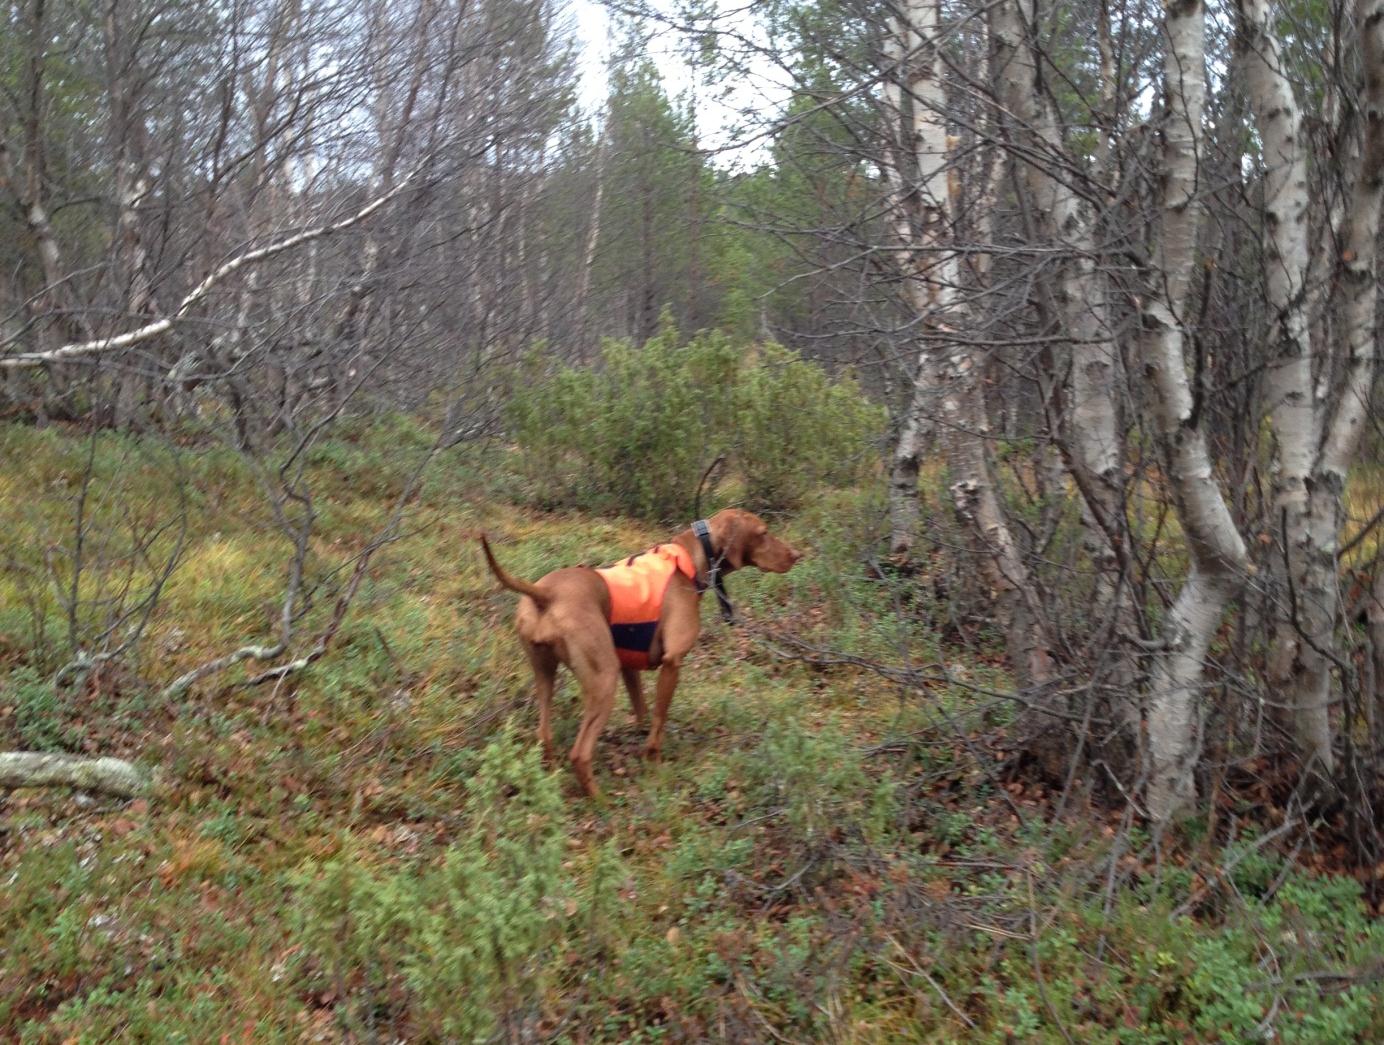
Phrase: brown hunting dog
pixel 565 618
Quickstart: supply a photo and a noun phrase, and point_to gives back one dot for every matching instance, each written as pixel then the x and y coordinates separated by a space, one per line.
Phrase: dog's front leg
pixel 635 687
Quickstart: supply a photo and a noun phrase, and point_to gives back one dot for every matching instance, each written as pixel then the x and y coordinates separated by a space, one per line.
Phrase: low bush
pixel 819 804
pixel 1286 969
pixel 798 428
pixel 636 434
pixel 455 949
pixel 38 715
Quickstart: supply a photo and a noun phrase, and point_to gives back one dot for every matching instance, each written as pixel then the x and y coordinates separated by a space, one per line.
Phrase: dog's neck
pixel 688 540
pixel 711 563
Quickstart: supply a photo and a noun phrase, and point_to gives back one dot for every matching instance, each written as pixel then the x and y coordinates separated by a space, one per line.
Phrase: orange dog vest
pixel 637 586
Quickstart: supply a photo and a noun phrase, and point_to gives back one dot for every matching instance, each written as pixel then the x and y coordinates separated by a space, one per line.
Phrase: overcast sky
pixel 594 30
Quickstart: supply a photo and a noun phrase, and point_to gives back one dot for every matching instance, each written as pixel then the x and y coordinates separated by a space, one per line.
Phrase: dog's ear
pixel 732 535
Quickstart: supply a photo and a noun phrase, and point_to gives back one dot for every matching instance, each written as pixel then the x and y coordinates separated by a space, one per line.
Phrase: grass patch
pixel 371 849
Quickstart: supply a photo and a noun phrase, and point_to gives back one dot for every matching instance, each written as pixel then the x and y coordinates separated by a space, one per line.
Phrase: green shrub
pixel 40 715
pixel 461 945
pixel 42 921
pixel 1267 973
pixel 636 435
pixel 797 428
pixel 817 784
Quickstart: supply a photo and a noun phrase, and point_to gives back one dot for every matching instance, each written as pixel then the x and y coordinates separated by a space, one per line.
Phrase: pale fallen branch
pixel 165 323
pixel 183 683
pixel 111 776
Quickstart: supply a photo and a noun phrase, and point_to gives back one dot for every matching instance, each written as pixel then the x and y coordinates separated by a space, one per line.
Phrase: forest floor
pixel 369 851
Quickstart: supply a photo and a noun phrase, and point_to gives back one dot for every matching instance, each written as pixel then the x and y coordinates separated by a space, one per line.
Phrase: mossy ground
pixel 820 856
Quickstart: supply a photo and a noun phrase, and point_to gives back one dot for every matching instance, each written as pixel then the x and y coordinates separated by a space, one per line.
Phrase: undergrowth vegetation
pixel 636 434
pixel 370 850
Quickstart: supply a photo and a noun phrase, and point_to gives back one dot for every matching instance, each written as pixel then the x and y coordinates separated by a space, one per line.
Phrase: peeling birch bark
pixel 1298 670
pixel 1216 548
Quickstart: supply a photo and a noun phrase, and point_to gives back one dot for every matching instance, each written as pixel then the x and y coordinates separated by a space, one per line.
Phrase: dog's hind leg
pixel 544 663
pixel 598 671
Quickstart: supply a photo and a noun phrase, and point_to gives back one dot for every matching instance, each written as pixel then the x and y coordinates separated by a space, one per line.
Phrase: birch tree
pixel 946 384
pixel 1122 243
pixel 917 170
pixel 1315 437
pixel 1085 368
pixel 1215 547
pixel 1046 169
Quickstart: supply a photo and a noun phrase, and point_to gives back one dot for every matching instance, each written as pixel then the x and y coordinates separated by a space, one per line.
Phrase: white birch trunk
pixel 1360 289
pixel 1216 549
pixel 951 381
pixel 1314 454
pixel 130 275
pixel 1299 670
pixel 1093 424
pixel 588 266
pixel 1359 294
pixel 921 215
pixel 904 508
pixel 976 497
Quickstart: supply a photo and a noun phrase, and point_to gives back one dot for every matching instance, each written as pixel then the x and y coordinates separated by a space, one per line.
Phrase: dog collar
pixel 702 532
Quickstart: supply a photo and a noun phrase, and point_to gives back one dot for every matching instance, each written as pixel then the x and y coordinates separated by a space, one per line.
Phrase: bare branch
pixel 160 326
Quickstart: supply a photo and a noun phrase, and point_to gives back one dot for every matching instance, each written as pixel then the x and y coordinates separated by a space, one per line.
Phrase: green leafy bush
pixel 1267 973
pixel 816 783
pixel 40 714
pixel 798 428
pixel 637 434
pixel 460 946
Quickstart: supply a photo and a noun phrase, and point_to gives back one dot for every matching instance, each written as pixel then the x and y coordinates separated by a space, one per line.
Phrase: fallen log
pixel 110 776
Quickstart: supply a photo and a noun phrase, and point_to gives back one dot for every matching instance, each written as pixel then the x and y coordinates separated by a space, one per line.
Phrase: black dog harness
pixel 714 579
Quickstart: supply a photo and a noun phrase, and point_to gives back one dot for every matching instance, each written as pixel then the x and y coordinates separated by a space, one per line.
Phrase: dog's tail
pixel 510 581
